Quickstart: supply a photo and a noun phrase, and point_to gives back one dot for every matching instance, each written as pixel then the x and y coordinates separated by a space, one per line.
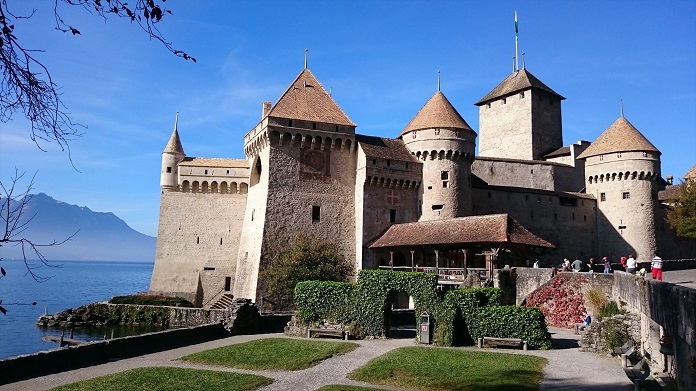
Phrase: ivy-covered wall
pixel 460 316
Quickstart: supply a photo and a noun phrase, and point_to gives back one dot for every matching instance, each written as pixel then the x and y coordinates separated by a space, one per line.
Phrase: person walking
pixel 577 265
pixel 631 264
pixel 607 265
pixel 656 266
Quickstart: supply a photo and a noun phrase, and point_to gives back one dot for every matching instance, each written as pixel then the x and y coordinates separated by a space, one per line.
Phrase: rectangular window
pixel 374 161
pixel 228 284
pixel 625 195
pixel 415 134
pixel 602 196
pixel 437 132
pixel 568 201
pixel 445 184
pixel 601 157
pixel 388 163
pixel 169 170
pixel 316 213
pixel 406 165
pixel 206 172
pixel 444 175
pixel 392 215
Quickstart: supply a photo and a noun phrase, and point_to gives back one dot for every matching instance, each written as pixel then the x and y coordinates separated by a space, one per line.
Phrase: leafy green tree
pixel 682 212
pixel 309 258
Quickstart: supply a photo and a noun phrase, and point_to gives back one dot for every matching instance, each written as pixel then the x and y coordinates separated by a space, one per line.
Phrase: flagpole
pixel 517 61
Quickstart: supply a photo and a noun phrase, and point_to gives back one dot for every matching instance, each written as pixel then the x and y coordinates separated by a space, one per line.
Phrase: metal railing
pixel 444 273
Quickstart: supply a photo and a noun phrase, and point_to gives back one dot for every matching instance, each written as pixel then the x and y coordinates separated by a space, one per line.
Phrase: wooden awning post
pixel 437 263
pixel 391 260
pixel 466 272
pixel 412 252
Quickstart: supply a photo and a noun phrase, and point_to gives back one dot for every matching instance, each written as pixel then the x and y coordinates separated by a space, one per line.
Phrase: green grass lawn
pixel 340 387
pixel 452 369
pixel 272 353
pixel 169 379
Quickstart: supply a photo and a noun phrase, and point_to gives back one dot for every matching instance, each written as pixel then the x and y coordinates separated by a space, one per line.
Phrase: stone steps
pixel 226 301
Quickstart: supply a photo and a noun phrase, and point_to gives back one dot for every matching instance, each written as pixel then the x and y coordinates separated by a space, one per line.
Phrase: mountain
pixel 97 235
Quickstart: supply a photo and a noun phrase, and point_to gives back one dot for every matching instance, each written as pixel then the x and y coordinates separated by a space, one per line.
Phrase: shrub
pixel 156 300
pixel 308 259
pixel 316 300
pixel 610 309
pixel 614 334
pixel 596 300
pixel 510 322
pixel 561 302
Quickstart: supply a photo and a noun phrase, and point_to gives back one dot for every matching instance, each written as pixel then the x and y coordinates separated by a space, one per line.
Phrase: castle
pixel 420 198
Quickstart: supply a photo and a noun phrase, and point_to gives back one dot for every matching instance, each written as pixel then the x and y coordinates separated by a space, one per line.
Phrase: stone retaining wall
pixel 69 358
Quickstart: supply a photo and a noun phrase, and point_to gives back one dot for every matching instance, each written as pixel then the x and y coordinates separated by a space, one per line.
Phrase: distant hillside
pixel 100 236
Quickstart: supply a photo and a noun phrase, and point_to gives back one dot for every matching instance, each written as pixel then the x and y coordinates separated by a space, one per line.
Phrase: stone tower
pixel 520 119
pixel 440 138
pixel 171 156
pixel 622 168
pixel 302 181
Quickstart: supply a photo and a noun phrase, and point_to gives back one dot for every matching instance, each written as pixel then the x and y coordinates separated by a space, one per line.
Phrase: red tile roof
pixel 307 100
pixel 437 112
pixel 499 229
pixel 385 148
pixel 515 82
pixel 621 136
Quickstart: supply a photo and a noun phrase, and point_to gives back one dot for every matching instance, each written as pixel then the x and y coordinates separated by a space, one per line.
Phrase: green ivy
pixel 362 307
pixel 510 322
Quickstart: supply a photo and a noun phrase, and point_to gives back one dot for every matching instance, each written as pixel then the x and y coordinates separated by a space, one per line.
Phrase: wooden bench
pixel 328 333
pixel 638 373
pixel 493 342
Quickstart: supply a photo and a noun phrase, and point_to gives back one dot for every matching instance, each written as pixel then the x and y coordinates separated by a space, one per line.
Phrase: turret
pixel 621 170
pixel 444 142
pixel 171 156
pixel 520 119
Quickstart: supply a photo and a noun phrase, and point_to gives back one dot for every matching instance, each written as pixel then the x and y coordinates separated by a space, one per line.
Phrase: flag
pixel 516 29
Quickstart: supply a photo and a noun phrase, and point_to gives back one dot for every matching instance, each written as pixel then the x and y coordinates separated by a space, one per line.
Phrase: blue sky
pixel 380 58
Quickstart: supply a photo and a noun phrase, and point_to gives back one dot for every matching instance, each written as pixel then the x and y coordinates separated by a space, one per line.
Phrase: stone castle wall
pixel 565 220
pixel 626 192
pixel 524 126
pixel 197 243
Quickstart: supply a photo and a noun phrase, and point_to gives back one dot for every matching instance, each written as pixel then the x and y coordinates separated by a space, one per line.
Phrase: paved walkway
pixel 568 368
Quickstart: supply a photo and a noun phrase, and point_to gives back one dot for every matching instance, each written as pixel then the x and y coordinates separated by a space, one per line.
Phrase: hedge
pixel 510 322
pixel 460 316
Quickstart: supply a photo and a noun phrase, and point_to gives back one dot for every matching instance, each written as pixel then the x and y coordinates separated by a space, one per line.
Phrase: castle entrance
pixel 400 316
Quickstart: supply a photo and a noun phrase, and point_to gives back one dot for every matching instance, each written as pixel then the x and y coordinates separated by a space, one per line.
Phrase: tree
pixel 309 258
pixel 27 86
pixel 681 214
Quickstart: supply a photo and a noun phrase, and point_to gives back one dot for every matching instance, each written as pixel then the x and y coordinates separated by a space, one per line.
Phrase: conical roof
pixel 437 112
pixel 174 144
pixel 621 136
pixel 515 82
pixel 307 100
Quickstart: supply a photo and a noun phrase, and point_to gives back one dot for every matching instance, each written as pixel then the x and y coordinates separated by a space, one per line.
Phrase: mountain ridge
pixel 96 236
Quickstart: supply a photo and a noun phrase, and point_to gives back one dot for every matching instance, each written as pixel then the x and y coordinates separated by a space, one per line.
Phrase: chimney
pixel 670 180
pixel 266 109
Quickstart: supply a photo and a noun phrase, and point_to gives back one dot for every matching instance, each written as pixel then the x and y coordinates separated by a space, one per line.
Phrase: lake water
pixel 73 284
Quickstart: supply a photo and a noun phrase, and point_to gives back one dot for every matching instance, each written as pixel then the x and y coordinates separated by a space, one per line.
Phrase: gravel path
pixel 568 368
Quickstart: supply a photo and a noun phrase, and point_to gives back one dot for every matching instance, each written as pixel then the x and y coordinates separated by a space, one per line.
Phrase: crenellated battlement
pixel 623 176
pixel 454 155
pixel 393 183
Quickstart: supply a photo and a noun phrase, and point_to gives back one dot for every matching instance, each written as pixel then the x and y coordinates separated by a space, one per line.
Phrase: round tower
pixel 171 156
pixel 444 142
pixel 621 170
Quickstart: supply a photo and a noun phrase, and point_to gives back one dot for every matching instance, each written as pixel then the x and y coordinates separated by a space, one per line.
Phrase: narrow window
pixel 206 172
pixel 228 284
pixel 392 215
pixel 415 134
pixel 316 213
pixel 645 154
pixel 445 184
pixel 388 163
pixel 618 154
pixel 522 94
pixel 337 128
pixel 555 216
pixel 573 215
pixel 314 125
pixel 584 218
pixel 406 165
pixel 437 132
pixel 526 198
pixel 290 122
pixel 228 172
pixel 374 161
pixel 252 214
pixel 169 170
pixel 531 171
pixel 444 175
pixel 626 195
pixel 488 105
pixel 198 240
pixel 221 241
pixel 504 100
pixel 601 157
pixel 437 207
pixel 489 195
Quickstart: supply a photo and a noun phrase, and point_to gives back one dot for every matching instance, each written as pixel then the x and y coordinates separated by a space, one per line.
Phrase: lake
pixel 72 284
